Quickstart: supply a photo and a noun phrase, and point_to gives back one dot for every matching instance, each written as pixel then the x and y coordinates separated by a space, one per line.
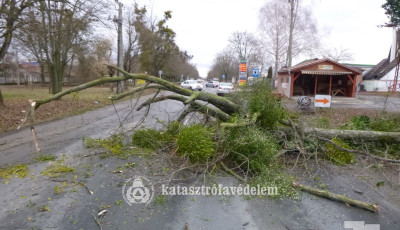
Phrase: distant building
pixel 364 68
pixel 381 77
pixel 26 72
pixel 318 76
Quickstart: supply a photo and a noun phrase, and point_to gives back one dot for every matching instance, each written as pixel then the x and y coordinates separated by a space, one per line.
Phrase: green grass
pixel 22 92
pixel 16 100
pixel 45 158
pixel 20 171
pixel 57 170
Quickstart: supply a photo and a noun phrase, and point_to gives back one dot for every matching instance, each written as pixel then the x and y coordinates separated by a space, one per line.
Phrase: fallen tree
pixel 219 107
pixel 249 121
pixel 212 105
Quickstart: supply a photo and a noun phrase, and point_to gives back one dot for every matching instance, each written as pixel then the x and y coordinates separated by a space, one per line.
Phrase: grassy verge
pixel 16 101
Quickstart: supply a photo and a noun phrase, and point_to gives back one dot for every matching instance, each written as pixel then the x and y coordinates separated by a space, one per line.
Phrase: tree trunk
pixel 42 77
pixel 1 100
pixel 291 27
pixel 353 134
pixel 56 75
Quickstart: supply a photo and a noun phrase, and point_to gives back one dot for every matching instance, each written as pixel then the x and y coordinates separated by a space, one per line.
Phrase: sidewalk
pixel 361 102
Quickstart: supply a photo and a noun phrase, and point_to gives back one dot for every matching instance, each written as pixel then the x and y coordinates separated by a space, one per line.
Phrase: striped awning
pixel 324 72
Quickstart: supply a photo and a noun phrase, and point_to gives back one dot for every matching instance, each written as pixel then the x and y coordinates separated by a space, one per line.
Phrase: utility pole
pixel 291 28
pixel 120 85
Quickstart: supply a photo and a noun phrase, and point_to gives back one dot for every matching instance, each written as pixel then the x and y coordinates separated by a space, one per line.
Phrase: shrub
pixel 171 132
pixel 250 144
pixel 113 144
pixel 259 98
pixel 358 123
pixel 386 124
pixel 196 143
pixel 155 139
pixel 339 156
pixel 275 176
pixel 147 138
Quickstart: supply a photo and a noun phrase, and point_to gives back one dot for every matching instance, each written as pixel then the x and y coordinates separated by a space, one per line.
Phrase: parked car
pixel 215 84
pixel 224 88
pixel 210 84
pixel 192 85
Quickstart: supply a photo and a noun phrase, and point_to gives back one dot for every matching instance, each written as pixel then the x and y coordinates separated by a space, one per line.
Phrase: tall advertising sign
pixel 243 72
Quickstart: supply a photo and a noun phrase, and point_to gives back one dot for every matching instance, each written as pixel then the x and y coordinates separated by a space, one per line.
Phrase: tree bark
pixel 196 106
pixel 1 100
pixel 336 197
pixel 293 13
pixel 224 104
pixel 353 134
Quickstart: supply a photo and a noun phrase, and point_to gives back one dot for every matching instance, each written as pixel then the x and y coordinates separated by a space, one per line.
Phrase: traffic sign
pixel 322 101
pixel 255 72
pixel 242 76
pixel 223 76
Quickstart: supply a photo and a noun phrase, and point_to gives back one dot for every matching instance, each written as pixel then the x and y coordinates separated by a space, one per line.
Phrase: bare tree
pixel 225 63
pixel 285 36
pixel 179 65
pixel 294 6
pixel 131 53
pixel 338 54
pixel 273 21
pixel 244 44
pixel 54 28
pixel 10 14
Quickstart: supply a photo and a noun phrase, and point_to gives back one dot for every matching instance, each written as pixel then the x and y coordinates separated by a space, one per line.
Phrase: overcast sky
pixel 203 27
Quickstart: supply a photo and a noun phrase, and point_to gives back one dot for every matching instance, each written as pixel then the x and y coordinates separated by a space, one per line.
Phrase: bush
pixel 147 138
pixel 155 139
pixel 250 144
pixel 196 143
pixel 339 156
pixel 172 131
pixel 386 124
pixel 275 176
pixel 259 98
pixel 358 123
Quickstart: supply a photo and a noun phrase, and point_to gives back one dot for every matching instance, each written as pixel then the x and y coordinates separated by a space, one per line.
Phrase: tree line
pixel 66 36
pixel 286 30
pixel 72 40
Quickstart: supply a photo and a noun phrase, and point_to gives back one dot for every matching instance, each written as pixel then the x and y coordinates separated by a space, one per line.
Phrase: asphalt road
pixel 23 200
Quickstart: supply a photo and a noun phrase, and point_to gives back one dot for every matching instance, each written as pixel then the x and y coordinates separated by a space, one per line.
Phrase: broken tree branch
pixel 195 105
pixel 228 170
pixel 346 134
pixel 241 124
pixel 222 103
pixel 136 90
pixel 192 97
pixel 336 197
pixel 359 152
